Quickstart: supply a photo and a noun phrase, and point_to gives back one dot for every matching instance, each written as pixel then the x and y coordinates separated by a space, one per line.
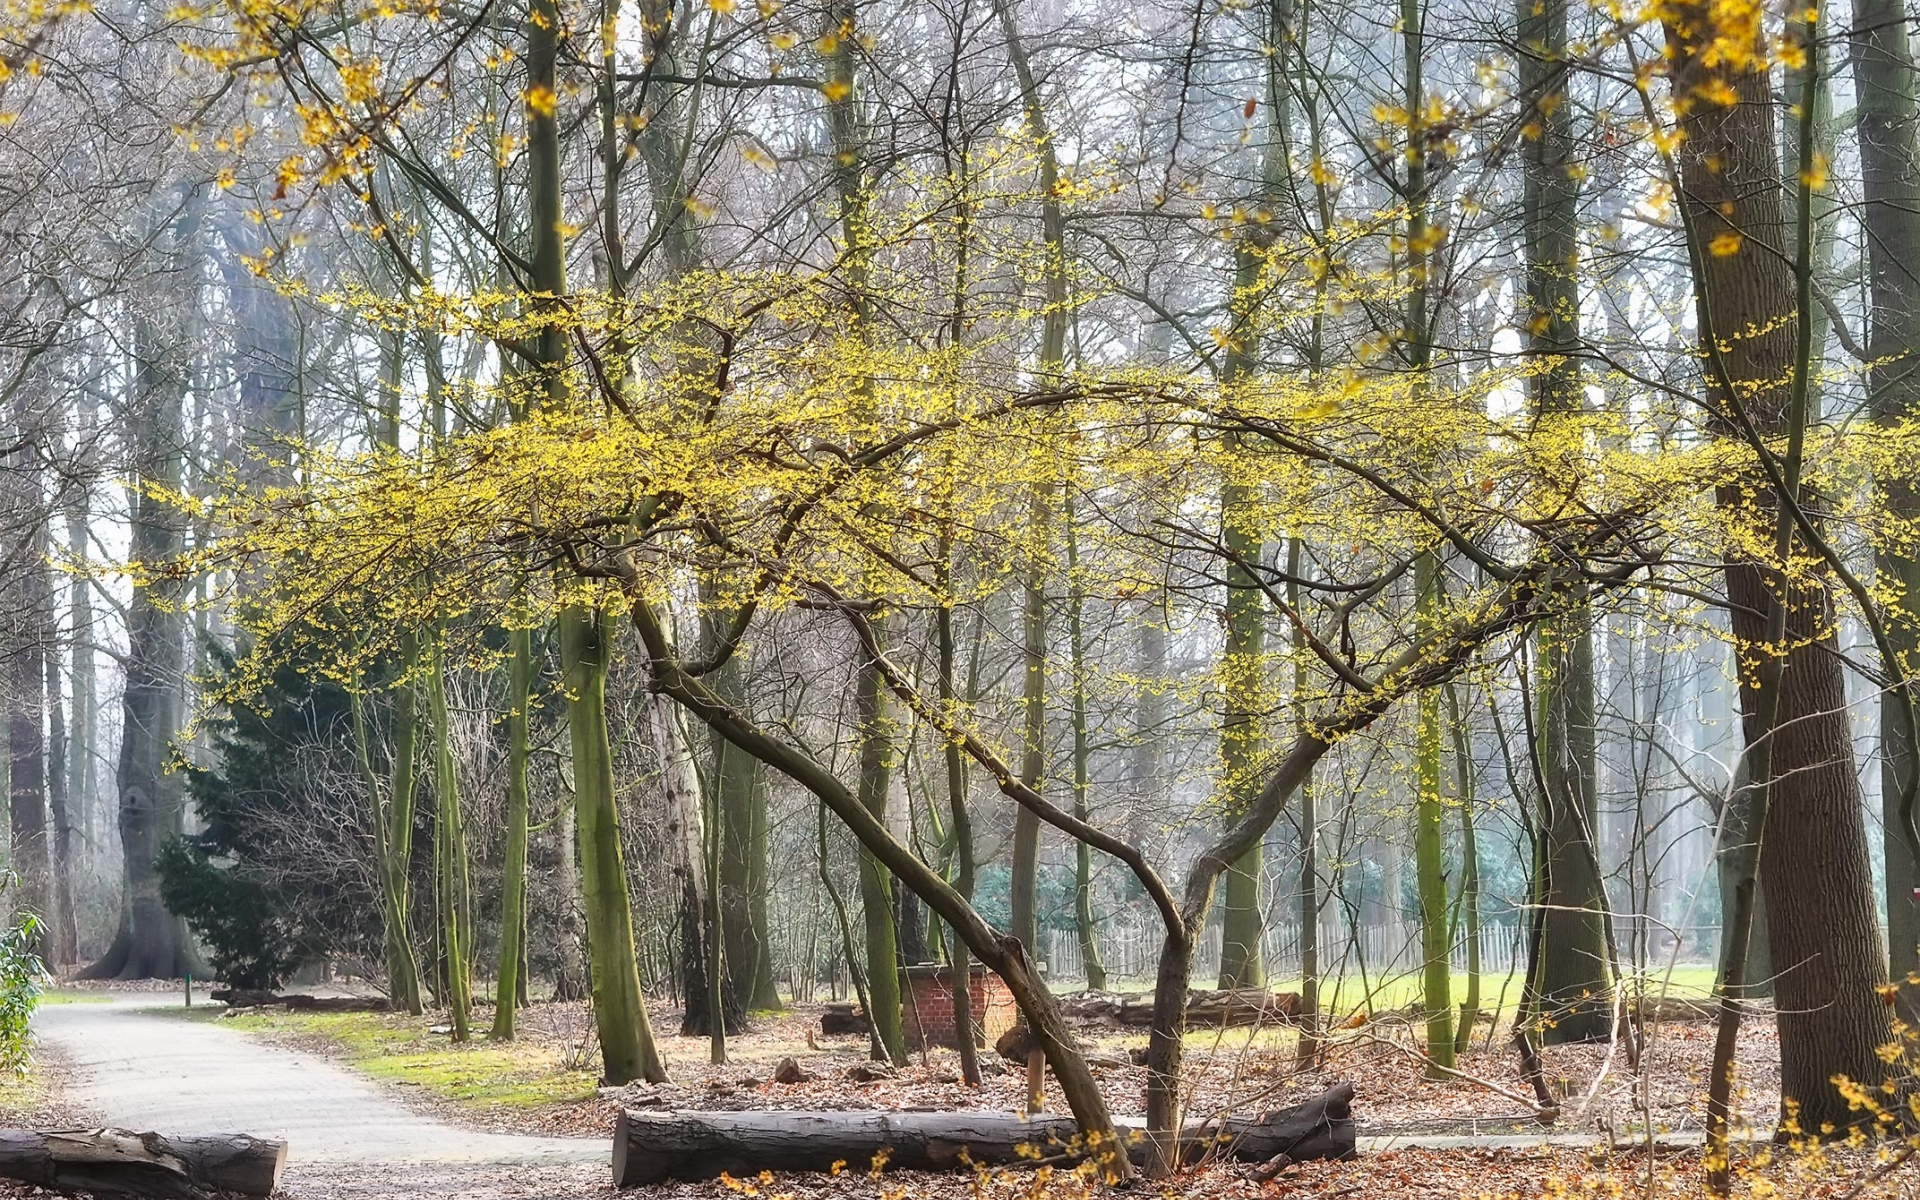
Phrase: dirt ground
pixel 1232 1069
pixel 1244 1069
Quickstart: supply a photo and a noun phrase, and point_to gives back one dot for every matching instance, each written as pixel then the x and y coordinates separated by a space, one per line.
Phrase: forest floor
pixel 415 1116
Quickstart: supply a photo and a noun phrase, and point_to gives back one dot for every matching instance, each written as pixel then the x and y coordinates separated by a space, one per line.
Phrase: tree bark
pixel 152 943
pixel 1887 126
pixel 1813 860
pixel 653 1147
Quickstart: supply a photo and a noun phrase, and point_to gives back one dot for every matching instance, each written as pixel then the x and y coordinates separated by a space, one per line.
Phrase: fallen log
pixel 1232 1007
pixel 651 1147
pixel 374 1004
pixel 299 1002
pixel 118 1162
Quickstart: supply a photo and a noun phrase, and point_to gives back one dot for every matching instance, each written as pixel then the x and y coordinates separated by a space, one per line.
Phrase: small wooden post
pixel 189 991
pixel 1036 1078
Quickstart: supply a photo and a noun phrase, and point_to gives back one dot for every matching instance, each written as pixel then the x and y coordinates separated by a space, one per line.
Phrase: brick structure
pixel 929 1006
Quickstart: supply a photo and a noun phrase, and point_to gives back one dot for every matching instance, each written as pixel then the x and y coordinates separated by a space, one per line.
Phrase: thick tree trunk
pixel 1822 925
pixel 653 1147
pixel 1429 804
pixel 1888 128
pixel 686 830
pixel 627 1049
pixel 117 1162
pixel 741 783
pixel 29 663
pixel 1242 662
pixel 151 943
pixel 25 691
pixel 876 884
pixel 1572 979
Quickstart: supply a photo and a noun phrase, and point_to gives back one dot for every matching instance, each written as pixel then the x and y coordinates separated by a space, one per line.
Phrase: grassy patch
pixel 400 1049
pixel 57 997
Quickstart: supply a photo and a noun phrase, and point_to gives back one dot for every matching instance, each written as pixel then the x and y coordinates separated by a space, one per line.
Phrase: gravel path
pixel 147 1070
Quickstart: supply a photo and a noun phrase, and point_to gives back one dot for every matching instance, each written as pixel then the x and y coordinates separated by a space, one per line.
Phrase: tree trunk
pixel 1024 900
pixel 1469 902
pixel 1813 860
pixel 1888 131
pixel 876 885
pixel 62 946
pixel 25 692
pixel 741 785
pixel 627 1049
pixel 151 943
pixel 960 823
pixel 1090 965
pixel 1429 807
pixel 81 744
pixel 686 829
pixel 118 1162
pixel 1571 976
pixel 513 877
pixel 651 1147
pixel 450 856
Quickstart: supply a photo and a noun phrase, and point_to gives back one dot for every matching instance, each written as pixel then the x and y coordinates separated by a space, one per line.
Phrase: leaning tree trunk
pixel 1813 862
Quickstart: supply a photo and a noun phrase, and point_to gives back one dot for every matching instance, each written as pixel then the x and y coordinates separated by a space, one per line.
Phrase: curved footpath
pixel 150 1070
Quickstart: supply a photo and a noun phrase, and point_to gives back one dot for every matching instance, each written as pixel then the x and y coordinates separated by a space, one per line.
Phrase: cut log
pixel 118 1162
pixel 652 1147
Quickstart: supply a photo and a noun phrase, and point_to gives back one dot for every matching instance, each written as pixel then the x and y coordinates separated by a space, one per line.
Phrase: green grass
pixel 399 1049
pixel 57 997
pixel 1402 991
